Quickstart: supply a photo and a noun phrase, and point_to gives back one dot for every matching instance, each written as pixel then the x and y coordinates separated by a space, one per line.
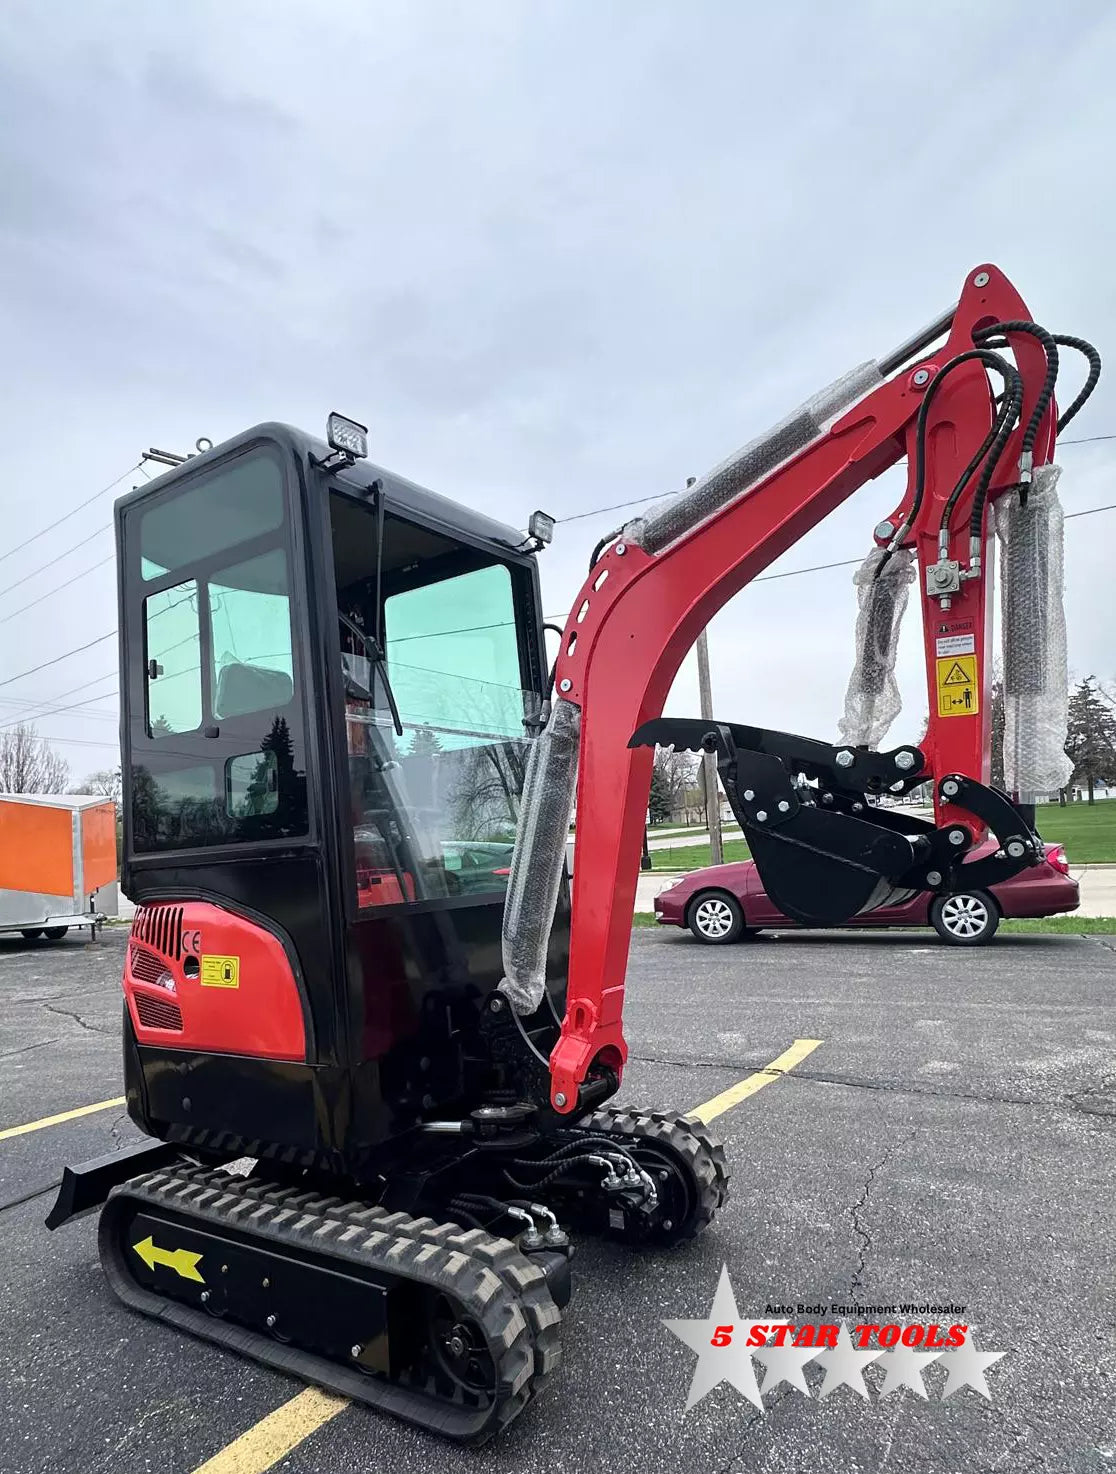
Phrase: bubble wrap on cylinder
pixel 872 701
pixel 540 850
pixel 1033 632
pixel 666 523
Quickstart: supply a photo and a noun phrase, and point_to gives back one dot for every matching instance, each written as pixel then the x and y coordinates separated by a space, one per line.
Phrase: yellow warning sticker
pixel 220 972
pixel 958 694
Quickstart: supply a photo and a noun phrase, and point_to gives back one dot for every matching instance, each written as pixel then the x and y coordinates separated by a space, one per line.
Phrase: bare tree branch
pixel 28 763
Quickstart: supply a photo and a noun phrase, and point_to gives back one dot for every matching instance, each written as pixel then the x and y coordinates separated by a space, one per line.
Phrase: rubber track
pixel 688 1138
pixel 489 1278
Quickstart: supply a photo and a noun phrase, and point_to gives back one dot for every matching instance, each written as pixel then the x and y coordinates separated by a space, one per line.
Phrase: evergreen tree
pixel 425 742
pixel 658 803
pixel 1091 738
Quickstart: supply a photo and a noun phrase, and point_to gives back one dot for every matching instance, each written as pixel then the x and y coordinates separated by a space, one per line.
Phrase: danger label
pixel 220 972
pixel 957 686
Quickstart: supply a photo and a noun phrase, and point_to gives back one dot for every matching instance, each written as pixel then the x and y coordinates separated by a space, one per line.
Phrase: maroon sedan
pixel 724 903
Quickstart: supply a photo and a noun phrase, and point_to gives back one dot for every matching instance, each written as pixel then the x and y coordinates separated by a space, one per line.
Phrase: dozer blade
pixel 449 1329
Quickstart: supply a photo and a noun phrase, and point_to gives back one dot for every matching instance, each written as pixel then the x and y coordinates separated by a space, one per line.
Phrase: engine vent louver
pixel 158 1013
pixel 160 927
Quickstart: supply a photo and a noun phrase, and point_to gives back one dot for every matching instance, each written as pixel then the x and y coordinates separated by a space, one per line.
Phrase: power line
pixel 56 559
pixel 71 513
pixel 50 593
pixel 44 664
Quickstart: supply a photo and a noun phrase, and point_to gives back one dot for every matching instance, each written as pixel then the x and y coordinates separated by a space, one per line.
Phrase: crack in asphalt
pixel 859 1207
pixel 77 1018
pixel 885 1087
pixel 749 1428
pixel 26 1048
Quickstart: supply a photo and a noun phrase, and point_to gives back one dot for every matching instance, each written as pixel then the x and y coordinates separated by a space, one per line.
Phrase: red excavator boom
pixel 641 608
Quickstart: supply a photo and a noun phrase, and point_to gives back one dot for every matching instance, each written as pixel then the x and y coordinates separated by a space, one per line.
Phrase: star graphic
pixel 785 1364
pixel 844 1365
pixel 966 1367
pixel 717 1364
pixel 903 1368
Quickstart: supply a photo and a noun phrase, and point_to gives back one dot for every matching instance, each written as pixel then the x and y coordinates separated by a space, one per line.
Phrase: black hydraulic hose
pixel 559 631
pixel 988 358
pixel 1064 340
pixel 558 1171
pixel 992 446
pixel 604 542
pixel 1046 393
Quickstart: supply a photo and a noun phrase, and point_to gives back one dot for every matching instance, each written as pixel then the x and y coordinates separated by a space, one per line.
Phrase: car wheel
pixel 31 933
pixel 716 917
pixel 966 918
pixel 55 933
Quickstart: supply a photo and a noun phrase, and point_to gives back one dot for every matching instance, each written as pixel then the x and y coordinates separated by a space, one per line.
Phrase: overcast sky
pixel 556 254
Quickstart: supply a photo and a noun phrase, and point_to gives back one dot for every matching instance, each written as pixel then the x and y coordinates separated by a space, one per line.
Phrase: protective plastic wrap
pixel 666 523
pixel 1033 631
pixel 540 850
pixel 872 700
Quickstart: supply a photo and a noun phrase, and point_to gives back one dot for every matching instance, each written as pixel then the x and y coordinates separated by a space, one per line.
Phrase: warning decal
pixel 956 644
pixel 957 686
pixel 220 972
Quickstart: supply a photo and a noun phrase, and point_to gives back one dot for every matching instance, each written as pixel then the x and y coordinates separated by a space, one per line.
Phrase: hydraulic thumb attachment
pixel 824 852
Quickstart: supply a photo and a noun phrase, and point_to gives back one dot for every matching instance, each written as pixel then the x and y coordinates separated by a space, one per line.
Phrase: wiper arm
pixel 378 663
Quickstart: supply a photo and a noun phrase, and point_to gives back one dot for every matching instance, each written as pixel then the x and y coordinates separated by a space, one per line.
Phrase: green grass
pixel 1073 926
pixel 1087 831
pixel 694 856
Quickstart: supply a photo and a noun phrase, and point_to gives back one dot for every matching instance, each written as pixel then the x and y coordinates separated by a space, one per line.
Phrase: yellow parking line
pixel 89 1110
pixel 273 1437
pixel 736 1093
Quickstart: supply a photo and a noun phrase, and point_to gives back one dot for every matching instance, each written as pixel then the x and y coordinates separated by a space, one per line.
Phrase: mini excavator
pixel 370 1036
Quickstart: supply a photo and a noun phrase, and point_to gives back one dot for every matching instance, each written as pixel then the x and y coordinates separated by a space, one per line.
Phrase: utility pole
pixel 708 761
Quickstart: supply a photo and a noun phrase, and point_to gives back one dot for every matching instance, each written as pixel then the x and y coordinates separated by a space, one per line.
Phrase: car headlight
pixel 667 885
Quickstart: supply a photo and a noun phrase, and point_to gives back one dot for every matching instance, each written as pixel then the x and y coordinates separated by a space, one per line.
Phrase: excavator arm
pixel 824 851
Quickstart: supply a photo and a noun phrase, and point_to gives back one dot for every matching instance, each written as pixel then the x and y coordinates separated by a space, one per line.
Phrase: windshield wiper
pixel 377 663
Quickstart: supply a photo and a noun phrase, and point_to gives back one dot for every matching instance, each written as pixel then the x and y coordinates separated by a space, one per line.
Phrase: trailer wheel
pixel 55 933
pixel 31 933
pixel 965 918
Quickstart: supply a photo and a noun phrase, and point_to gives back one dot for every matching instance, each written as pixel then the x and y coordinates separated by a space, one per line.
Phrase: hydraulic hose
pixel 1046 393
pixel 1080 346
pixel 990 360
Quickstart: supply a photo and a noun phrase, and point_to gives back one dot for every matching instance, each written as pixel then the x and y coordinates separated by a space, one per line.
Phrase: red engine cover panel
pixel 199 977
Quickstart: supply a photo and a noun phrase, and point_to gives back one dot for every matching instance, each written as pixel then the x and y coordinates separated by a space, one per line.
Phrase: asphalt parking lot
pixel 951 1139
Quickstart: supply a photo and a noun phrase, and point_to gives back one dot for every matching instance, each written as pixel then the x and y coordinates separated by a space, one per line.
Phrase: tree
pixel 28 763
pixel 673 773
pixel 105 783
pixel 1091 737
pixel 425 742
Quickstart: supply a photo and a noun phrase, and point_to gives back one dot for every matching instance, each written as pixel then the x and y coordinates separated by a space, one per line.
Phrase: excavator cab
pixel 332 677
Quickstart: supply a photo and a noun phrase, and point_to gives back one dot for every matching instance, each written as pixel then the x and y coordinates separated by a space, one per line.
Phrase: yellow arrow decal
pixel 180 1260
